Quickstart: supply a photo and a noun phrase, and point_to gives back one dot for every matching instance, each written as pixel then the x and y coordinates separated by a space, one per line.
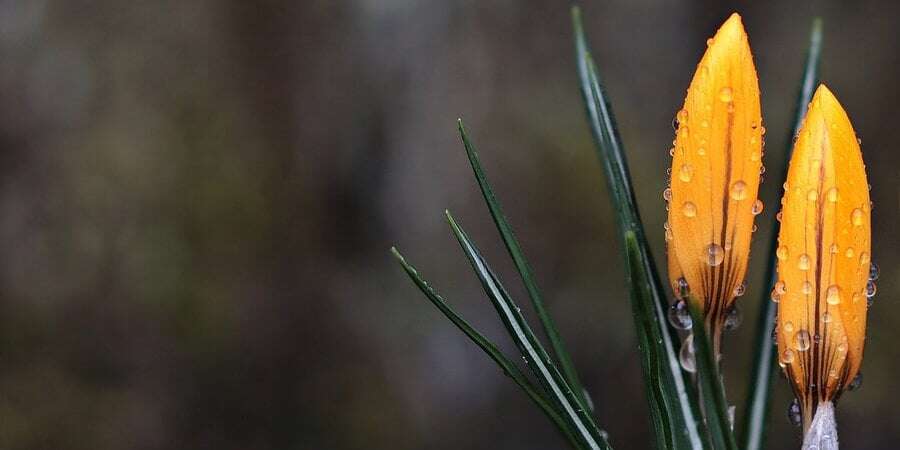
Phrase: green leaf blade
pixel 712 392
pixel 537 357
pixel 508 368
pixel 524 268
pixel 670 403
pixel 758 391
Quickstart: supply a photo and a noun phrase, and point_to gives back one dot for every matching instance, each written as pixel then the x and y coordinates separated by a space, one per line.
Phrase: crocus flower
pixel 715 175
pixel 824 265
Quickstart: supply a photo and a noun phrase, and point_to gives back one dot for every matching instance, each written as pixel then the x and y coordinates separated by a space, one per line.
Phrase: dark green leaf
pixel 585 429
pixel 490 349
pixel 712 392
pixel 525 272
pixel 753 429
pixel 667 392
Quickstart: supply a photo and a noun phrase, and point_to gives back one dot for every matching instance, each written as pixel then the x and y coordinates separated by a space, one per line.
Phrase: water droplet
pixel 812 195
pixel 842 347
pixel 871 289
pixel 682 116
pixel 689 209
pixel 782 253
pixel 856 217
pixel 733 318
pixel 834 249
pixel 873 271
pixel 686 172
pixel 826 317
pixel 709 42
pixel 754 228
pixel 701 151
pixel 754 156
pixel 832 195
pixel 780 287
pixel 779 215
pixel 833 295
pixel 786 186
pixel 788 327
pixel 856 297
pixel 856 383
pixel 762 130
pixel 679 316
pixel 757 207
pixel 803 262
pixel 802 341
pixel 667 194
pixel 704 124
pixel 762 169
pixel 806 287
pixel 672 151
pixel 681 288
pixel 714 254
pixel 775 296
pixel 794 413
pixel 787 356
pixel 686 355
pixel 668 235
pixel 683 132
pixel 739 190
pixel 726 95
pixel 741 289
pixel 849 252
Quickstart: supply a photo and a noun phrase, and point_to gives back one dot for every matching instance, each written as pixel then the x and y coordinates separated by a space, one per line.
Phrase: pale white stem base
pixel 822 432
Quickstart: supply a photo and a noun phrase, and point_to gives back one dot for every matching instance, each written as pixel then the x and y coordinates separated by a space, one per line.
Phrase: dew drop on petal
pixel 794 414
pixel 714 254
pixel 834 249
pixel 803 262
pixel 806 287
pixel 832 195
pixel 682 116
pixel 856 217
pixel 667 194
pixel 802 341
pixel 779 215
pixel 871 289
pixel 781 253
pixel 725 94
pixel 686 172
pixel 733 318
pixel 689 209
pixel 826 317
pixel 780 287
pixel 740 289
pixel 849 252
pixel 812 195
pixel 757 207
pixel 679 316
pixel 873 271
pixel 787 356
pixel 739 190
pixel 856 383
pixel 788 327
pixel 833 295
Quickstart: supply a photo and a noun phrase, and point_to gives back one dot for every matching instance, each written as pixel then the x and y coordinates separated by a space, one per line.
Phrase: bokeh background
pixel 197 200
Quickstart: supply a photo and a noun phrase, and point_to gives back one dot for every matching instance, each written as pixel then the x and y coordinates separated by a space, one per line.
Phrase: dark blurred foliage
pixel 197 201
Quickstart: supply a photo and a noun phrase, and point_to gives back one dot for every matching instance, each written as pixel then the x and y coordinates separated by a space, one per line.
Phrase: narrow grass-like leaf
pixel 537 358
pixel 757 404
pixel 508 368
pixel 525 271
pixel 670 404
pixel 712 392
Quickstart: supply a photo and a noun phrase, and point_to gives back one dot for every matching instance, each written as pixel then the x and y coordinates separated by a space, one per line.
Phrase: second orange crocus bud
pixel 824 264
pixel 715 175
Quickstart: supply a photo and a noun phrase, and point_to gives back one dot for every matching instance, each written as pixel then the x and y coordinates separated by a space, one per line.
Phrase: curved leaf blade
pixel 524 269
pixel 536 356
pixel 670 403
pixel 508 368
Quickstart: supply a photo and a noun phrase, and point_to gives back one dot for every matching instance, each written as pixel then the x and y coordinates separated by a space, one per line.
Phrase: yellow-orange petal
pixel 715 172
pixel 826 237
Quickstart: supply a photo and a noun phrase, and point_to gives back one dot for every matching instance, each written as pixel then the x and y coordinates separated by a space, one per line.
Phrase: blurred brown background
pixel 197 201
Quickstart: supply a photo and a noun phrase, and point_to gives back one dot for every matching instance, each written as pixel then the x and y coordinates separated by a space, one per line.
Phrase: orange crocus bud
pixel 823 265
pixel 716 165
